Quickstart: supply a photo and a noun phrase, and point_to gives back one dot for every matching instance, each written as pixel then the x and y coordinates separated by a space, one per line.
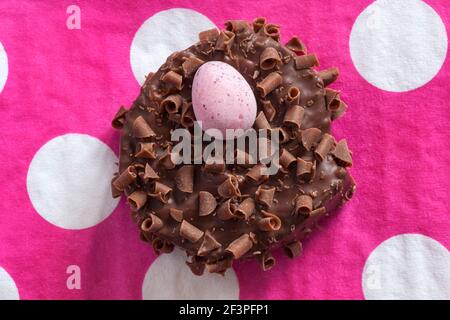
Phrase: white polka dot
pixel 407 266
pixel 3 67
pixel 69 181
pixel 170 278
pixel 8 288
pixel 162 34
pixel 398 45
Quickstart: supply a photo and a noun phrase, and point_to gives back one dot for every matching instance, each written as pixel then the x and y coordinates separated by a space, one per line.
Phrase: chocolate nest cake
pixel 219 212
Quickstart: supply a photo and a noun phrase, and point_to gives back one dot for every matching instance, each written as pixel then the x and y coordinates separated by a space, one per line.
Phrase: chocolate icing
pixel 238 217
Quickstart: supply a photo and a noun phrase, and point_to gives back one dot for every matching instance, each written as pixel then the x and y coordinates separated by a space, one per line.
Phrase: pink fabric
pixel 63 81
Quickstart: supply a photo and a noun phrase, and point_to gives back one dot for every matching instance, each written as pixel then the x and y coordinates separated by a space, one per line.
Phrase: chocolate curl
pixel 267 261
pixel 184 179
pixel 269 83
pixel 141 129
pixel 161 192
pixel 269 110
pixel 329 75
pixel 332 99
pixel 225 41
pixel 339 111
pixel 305 169
pixel 206 203
pixel 342 154
pixel 245 209
pixel 190 232
pixel 119 119
pixel 270 222
pixel 257 173
pixel 176 214
pixel 325 145
pixel 286 159
pixel 318 211
pixel 209 244
pixel 272 30
pixel 166 159
pixel 258 24
pixel 152 224
pixel 243 158
pixel 161 246
pixel 148 174
pixel 190 65
pixel 115 193
pixel 214 167
pixel 187 115
pixel 293 249
pixel 261 121
pixel 294 116
pixel 208 35
pixel 226 210
pixel 229 188
pixel 240 246
pixel 137 200
pixel 303 205
pixel 236 26
pixel 269 58
pixel 296 45
pixel 310 138
pixel 282 134
pixel 146 150
pixel 293 95
pixel 127 177
pixel 265 196
pixel 306 61
pixel 173 79
pixel 219 266
pixel 172 103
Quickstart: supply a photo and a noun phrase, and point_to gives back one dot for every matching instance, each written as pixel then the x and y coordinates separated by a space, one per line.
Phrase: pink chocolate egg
pixel 222 99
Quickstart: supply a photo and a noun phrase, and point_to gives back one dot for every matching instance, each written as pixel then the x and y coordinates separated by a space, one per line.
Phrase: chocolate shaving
pixel 261 121
pixel 173 78
pixel 268 109
pixel 257 173
pixel 226 210
pixel 190 65
pixel 187 115
pixel 294 116
pixel 152 224
pixel 172 103
pixel 325 145
pixel 293 249
pixel 259 23
pixel 176 214
pixel 269 58
pixel 149 173
pixel 220 266
pixel 305 169
pixel 206 203
pixel 137 200
pixel 269 83
pixel 342 154
pixel 236 26
pixel 229 188
pixel 119 119
pixel 329 75
pixel 296 45
pixel 286 159
pixel 245 209
pixel 114 191
pixel 214 167
pixel 332 99
pixel 208 35
pixel 184 178
pixel 303 205
pixel 272 30
pixel 282 134
pixel 146 150
pixel 270 222
pixel 240 246
pixel 141 129
pixel 166 159
pixel 339 111
pixel 265 196
pixel 209 244
pixel 161 246
pixel 197 267
pixel 127 177
pixel 267 261
pixel 318 211
pixel 306 61
pixel 190 232
pixel 293 95
pixel 310 138
pixel 161 192
pixel 225 41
